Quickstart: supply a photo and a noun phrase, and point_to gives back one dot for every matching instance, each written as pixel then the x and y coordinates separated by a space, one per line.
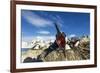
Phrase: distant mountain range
pixel 41 44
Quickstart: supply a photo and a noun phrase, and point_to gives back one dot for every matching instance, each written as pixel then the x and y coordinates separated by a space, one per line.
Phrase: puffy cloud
pixel 30 38
pixel 43 32
pixel 72 35
pixel 35 19
pixel 45 37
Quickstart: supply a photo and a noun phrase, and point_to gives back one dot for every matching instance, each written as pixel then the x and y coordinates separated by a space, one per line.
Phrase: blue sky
pixel 40 24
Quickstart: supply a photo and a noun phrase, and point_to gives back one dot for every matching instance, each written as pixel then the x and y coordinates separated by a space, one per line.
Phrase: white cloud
pixel 46 37
pixel 43 32
pixel 72 35
pixel 58 19
pixel 30 38
pixel 35 19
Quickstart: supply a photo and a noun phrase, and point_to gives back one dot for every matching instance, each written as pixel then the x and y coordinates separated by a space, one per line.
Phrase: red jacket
pixel 61 41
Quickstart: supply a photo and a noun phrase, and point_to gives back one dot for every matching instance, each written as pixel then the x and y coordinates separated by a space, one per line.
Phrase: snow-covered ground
pixel 27 45
pixel 39 44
